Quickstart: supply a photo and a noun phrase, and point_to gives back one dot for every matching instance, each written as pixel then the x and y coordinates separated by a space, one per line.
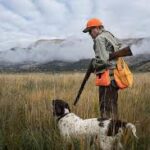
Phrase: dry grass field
pixel 26 121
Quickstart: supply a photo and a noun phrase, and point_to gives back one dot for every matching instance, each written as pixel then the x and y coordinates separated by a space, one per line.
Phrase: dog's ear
pixel 58 107
pixel 58 110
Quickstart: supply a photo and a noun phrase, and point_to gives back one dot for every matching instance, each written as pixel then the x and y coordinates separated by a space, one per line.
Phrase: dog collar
pixel 62 116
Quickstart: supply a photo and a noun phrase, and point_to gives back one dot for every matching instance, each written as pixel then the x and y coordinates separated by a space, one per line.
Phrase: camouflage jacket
pixel 104 44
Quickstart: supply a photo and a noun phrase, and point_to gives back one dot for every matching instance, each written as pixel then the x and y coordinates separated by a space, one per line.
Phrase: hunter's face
pixel 94 32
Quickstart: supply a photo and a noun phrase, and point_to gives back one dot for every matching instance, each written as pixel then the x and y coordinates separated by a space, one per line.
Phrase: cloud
pixel 48 50
pixel 141 47
pixel 63 17
pixel 72 49
pixel 23 22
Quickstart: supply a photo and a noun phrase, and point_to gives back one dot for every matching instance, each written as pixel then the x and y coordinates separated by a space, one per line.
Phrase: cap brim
pixel 86 30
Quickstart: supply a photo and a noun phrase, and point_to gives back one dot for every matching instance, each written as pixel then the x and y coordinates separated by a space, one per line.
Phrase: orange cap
pixel 94 22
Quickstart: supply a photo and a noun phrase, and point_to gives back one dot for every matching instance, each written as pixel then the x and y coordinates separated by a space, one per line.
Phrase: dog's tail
pixel 133 129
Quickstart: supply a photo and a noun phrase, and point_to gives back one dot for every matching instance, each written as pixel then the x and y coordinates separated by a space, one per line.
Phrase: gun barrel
pixel 87 75
pixel 80 90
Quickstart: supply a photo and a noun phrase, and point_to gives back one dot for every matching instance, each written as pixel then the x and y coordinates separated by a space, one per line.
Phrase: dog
pixel 107 130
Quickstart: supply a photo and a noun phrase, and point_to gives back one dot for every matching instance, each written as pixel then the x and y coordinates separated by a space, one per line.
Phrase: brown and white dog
pixel 107 130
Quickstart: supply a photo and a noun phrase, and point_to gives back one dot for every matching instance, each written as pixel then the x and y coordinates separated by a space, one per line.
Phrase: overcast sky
pixel 25 21
pixel 29 19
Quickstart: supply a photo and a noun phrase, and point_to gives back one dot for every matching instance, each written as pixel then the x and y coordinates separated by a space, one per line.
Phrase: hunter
pixel 104 44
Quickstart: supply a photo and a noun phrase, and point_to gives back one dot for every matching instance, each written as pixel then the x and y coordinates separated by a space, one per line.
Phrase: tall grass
pixel 26 120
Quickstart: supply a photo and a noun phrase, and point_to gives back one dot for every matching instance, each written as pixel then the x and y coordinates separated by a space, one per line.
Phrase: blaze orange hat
pixel 94 22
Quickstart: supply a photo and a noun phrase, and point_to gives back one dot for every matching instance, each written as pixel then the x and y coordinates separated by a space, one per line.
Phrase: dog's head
pixel 60 107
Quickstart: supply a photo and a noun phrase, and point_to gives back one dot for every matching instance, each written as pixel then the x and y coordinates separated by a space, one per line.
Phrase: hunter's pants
pixel 108 96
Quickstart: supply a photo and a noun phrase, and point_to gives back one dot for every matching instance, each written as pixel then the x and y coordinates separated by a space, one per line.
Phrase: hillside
pixel 72 54
pixel 137 63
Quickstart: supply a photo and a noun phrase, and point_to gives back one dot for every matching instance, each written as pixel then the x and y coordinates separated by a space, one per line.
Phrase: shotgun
pixel 86 77
pixel 121 53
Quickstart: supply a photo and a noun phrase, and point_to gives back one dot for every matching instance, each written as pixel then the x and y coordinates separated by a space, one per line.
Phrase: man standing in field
pixel 104 44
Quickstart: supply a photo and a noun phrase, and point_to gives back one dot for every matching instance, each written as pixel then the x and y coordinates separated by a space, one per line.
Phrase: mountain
pixel 138 63
pixel 71 54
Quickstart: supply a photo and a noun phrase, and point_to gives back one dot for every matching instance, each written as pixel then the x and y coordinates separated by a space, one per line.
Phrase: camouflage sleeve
pixel 101 55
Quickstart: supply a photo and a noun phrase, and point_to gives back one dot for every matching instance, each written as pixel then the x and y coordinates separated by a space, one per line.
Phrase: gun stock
pixel 121 53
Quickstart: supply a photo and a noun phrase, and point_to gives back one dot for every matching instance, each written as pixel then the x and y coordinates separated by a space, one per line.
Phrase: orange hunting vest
pixel 103 79
pixel 122 76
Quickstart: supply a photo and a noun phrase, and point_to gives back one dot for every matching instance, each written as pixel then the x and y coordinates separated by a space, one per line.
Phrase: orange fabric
pixel 94 23
pixel 123 75
pixel 103 79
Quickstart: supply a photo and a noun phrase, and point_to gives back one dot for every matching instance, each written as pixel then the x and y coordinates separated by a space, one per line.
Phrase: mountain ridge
pixel 57 55
pixel 137 65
